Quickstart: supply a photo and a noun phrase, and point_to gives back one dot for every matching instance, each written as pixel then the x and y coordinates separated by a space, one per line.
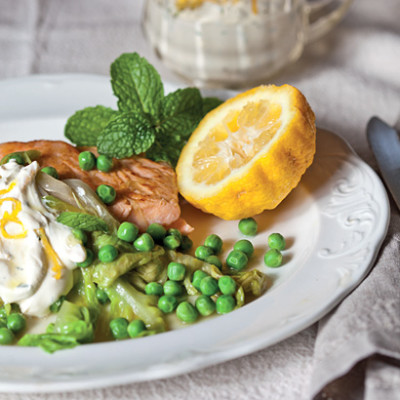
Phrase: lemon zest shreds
pixel 50 253
pixel 8 190
pixel 13 217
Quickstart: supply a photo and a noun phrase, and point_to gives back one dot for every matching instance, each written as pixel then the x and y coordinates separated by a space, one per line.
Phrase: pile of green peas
pixel 10 325
pixel 172 296
pixel 215 295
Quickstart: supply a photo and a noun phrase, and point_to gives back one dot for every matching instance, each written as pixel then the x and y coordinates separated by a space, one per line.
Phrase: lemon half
pixel 248 154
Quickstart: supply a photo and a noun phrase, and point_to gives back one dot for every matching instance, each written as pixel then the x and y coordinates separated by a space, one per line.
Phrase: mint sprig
pixel 147 121
pixel 86 222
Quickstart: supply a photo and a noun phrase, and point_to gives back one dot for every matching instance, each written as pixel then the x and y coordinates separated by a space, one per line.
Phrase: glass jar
pixel 233 43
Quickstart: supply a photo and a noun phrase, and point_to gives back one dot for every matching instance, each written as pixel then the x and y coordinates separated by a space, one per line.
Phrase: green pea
pixel 227 285
pixel 167 303
pixel 55 307
pixel 214 242
pixel 3 323
pixel 106 193
pixel 171 242
pixel 186 312
pixel 136 327
pixel 225 304
pixel 186 243
pixel 119 328
pixel 18 158
pixel 157 232
pixel 104 163
pixel 208 286
pixel 205 305
pixel 154 288
pixel 237 260
pixel 16 322
pixel 175 232
pixel 107 253
pixel 172 288
pixel 144 242
pixel 276 241
pixel 80 235
pixel 87 160
pixel 127 232
pixel 89 259
pixel 273 258
pixel 215 261
pixel 248 226
pixel 6 336
pixel 202 252
pixel 197 277
pixel 50 171
pixel 101 296
pixel 245 246
pixel 176 271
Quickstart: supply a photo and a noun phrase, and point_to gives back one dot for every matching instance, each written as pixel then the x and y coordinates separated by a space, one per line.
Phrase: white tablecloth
pixel 348 76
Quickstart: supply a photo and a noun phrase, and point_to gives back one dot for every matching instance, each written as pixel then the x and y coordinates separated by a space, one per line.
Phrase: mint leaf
pixel 209 103
pixel 86 222
pixel 137 85
pixel 182 111
pixel 126 135
pixel 85 125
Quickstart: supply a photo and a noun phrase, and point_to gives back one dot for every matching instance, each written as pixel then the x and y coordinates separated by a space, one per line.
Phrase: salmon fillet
pixel 147 191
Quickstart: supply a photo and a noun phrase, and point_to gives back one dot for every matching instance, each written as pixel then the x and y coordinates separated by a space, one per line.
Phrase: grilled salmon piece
pixel 147 191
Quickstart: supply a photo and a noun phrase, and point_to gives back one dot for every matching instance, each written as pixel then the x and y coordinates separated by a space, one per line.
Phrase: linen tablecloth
pixel 347 76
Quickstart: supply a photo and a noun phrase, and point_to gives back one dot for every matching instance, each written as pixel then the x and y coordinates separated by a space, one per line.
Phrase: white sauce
pixel 27 270
pixel 227 42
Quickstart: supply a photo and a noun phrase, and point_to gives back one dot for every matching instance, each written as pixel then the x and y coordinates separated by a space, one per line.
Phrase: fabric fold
pixel 366 324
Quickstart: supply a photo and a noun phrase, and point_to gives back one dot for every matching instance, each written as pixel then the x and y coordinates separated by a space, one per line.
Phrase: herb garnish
pixel 147 121
pixel 86 222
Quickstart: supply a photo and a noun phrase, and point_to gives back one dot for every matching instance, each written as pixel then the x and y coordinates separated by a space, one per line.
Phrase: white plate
pixel 334 222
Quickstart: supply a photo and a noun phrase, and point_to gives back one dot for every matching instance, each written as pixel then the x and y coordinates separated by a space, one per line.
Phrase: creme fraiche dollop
pixel 37 254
